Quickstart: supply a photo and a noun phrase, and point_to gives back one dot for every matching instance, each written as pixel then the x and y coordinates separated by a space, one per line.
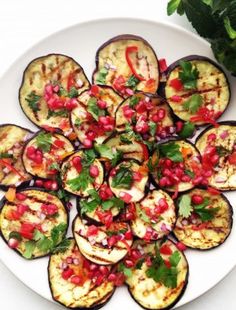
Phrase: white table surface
pixel 25 22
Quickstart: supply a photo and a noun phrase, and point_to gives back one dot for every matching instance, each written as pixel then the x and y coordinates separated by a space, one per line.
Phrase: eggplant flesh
pixel 111 58
pixel 12 140
pixel 69 173
pixel 191 162
pixel 95 248
pixel 87 296
pixel 10 222
pixel 212 86
pixel 53 156
pixel 159 225
pixel 154 295
pixel 131 150
pixel 137 188
pixel 216 230
pixel 224 172
pixel 55 69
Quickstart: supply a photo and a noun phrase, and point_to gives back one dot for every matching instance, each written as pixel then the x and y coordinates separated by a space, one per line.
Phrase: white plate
pixel 81 42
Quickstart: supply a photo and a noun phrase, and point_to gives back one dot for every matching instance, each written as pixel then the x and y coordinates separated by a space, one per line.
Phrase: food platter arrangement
pixel 122 146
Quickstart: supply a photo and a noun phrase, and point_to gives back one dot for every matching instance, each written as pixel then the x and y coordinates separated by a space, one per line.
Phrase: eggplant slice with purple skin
pixel 34 223
pixel 127 63
pixel 175 165
pixel 146 114
pixel 128 181
pixel 161 285
pixel 12 141
pixel 217 146
pixel 72 286
pixel 44 153
pixel 100 244
pixel 50 83
pixel 155 216
pixel 81 173
pixel 197 89
pixel 204 220
pixel 95 114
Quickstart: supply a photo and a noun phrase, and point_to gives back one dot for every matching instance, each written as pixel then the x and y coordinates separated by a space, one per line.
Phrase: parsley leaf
pixel 175 259
pixel 61 113
pixel 73 93
pixel 44 141
pixel 206 214
pixel 125 139
pixel 171 150
pixel 188 74
pixel 193 103
pixel 133 101
pixel 29 249
pixel 126 271
pixel 187 130
pixel 132 82
pixel 142 215
pixel 62 247
pixel 185 208
pixel 93 109
pixel 189 173
pixel 77 122
pixel 109 153
pixel 57 232
pixel 101 76
pixel 123 178
pixel 153 128
pixel 33 101
pixel 81 182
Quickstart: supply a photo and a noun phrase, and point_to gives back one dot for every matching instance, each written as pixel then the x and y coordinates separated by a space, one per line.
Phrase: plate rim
pixel 93 21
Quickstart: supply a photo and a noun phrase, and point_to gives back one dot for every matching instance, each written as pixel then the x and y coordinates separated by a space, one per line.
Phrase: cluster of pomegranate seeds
pixel 55 102
pixel 34 154
pixel 119 84
pixel 49 209
pixel 51 185
pixel 105 192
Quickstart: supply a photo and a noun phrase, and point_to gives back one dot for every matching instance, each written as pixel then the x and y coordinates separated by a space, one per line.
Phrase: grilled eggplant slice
pixel 12 140
pixel 217 146
pixel 73 283
pixel 154 217
pixel 127 63
pixel 204 220
pixel 94 117
pixel 82 172
pixel 128 181
pixel 33 223
pixel 148 115
pixel 44 153
pixel 159 276
pixel 175 166
pixel 128 145
pixel 101 207
pixel 197 89
pixel 49 90
pixel 103 245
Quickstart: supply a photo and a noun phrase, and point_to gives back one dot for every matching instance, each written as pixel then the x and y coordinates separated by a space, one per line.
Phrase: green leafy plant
pixel 214 20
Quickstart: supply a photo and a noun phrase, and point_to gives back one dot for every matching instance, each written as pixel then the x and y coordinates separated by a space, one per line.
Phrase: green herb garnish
pixel 44 141
pixel 132 82
pixel 187 130
pixel 101 76
pixel 171 150
pixel 123 178
pixel 193 103
pixel 33 101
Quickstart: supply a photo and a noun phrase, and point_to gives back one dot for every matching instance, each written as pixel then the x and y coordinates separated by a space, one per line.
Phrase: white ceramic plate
pixel 81 42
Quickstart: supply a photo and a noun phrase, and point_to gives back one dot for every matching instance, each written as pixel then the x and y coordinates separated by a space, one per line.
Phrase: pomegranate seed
pixel 163 181
pixel 176 98
pixel 141 127
pixel 91 135
pixel 168 163
pixel 167 173
pixel 76 161
pixel 59 143
pixel 69 260
pixel 129 263
pixel 47 184
pixel 93 267
pixel 179 172
pixel 163 65
pixel 180 246
pixel 30 150
pixel 20 196
pixel 185 178
pixel 128 112
pixel 101 104
pixel 112 277
pixel 141 107
pixel 148 261
pixel 197 199
pixel 71 104
pixel 66 274
pixel 126 197
pixel 129 216
pixel 211 137
pixel 76 280
pixel 21 208
pixel 87 143
pixel 179 126
pixel 215 159
pixel 104 270
pixel 135 254
pixel 39 183
pixel 155 118
pixel 13 243
pixel 112 241
pixel 92 231
pixel 54 186
pixel 137 176
pixel 161 113
pixel 49 209
pixel 197 180
pixel 94 171
pixel 128 235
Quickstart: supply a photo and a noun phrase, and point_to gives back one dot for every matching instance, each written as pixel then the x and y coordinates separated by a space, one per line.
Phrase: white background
pixel 25 22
